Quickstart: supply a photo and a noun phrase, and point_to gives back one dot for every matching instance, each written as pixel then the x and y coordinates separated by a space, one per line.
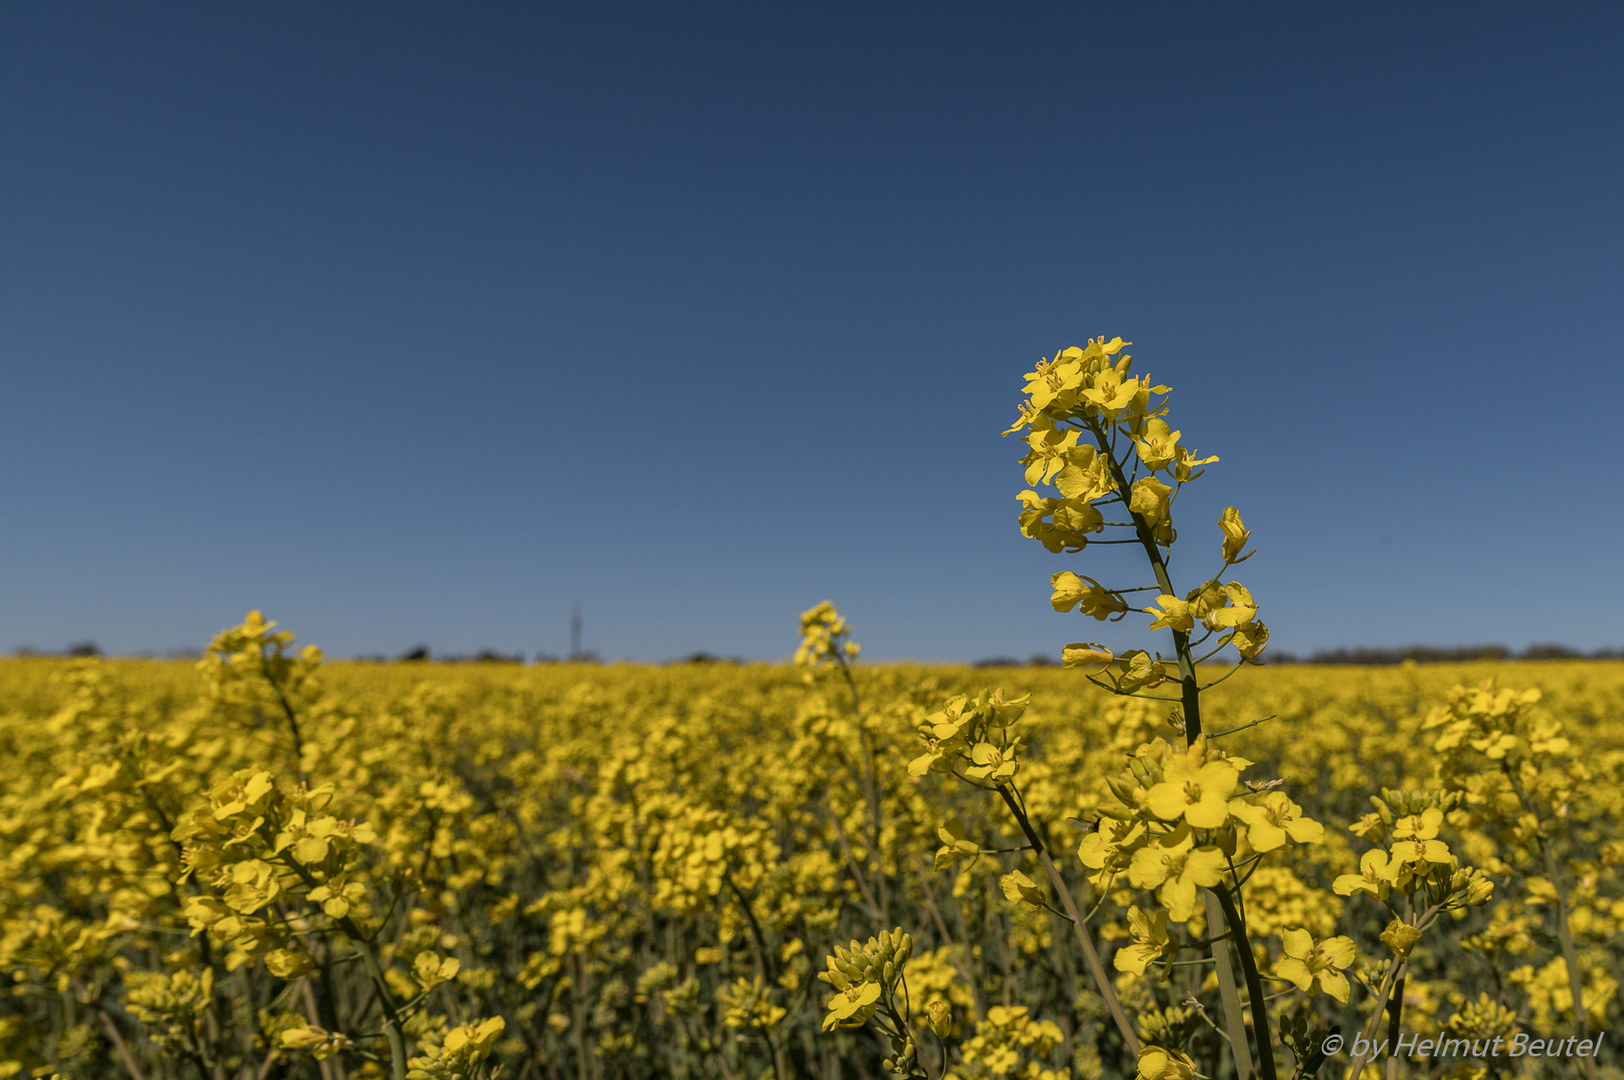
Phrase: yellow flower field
pixel 263 866
pixel 1132 866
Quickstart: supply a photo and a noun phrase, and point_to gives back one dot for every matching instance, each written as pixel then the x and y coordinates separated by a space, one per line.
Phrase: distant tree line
pixel 1427 654
pixel 1421 654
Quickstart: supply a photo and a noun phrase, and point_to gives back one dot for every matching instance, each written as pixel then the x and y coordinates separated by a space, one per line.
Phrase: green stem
pixel 763 957
pixel 1228 993
pixel 1570 956
pixel 1395 1005
pixel 1395 1015
pixel 386 999
pixel 1243 727
pixel 1090 955
pixel 907 1027
pixel 1147 540
pixel 1238 665
pixel 293 723
pixel 1361 1060
pixel 871 787
pixel 772 1051
pixel 851 863
pixel 1120 693
pixel 1564 933
pixel 119 1045
pixel 1254 984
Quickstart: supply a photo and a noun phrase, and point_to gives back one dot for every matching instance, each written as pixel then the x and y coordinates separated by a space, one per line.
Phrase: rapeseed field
pixel 1137 865
pixel 632 871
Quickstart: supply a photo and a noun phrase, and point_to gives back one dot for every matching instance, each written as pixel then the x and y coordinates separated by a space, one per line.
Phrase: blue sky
pixel 414 323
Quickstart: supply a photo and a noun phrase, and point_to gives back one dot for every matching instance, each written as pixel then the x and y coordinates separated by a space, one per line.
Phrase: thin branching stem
pixel 1090 955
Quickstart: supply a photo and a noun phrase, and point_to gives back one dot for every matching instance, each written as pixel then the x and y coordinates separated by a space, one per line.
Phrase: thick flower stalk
pixel 1100 437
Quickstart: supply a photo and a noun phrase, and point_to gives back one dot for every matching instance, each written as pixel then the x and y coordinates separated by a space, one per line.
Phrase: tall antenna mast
pixel 575 632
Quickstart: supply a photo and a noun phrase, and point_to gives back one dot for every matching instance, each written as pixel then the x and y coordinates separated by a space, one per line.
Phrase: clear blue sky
pixel 414 323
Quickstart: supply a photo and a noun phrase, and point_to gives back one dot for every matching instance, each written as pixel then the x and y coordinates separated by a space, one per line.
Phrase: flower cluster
pixel 825 639
pixel 971 736
pixel 870 982
pixel 1092 429
pixel 1182 819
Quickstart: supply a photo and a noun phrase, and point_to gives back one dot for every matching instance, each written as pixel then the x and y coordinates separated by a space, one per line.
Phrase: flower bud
pixel 1400 937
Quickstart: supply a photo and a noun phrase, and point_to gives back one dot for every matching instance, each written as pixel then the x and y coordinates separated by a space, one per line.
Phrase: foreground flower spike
pixel 1100 437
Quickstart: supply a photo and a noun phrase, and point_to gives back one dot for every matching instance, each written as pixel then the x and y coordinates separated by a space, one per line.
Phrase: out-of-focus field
pixel 640 870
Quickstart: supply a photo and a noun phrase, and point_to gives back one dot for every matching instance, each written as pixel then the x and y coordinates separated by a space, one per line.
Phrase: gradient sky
pixel 416 323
